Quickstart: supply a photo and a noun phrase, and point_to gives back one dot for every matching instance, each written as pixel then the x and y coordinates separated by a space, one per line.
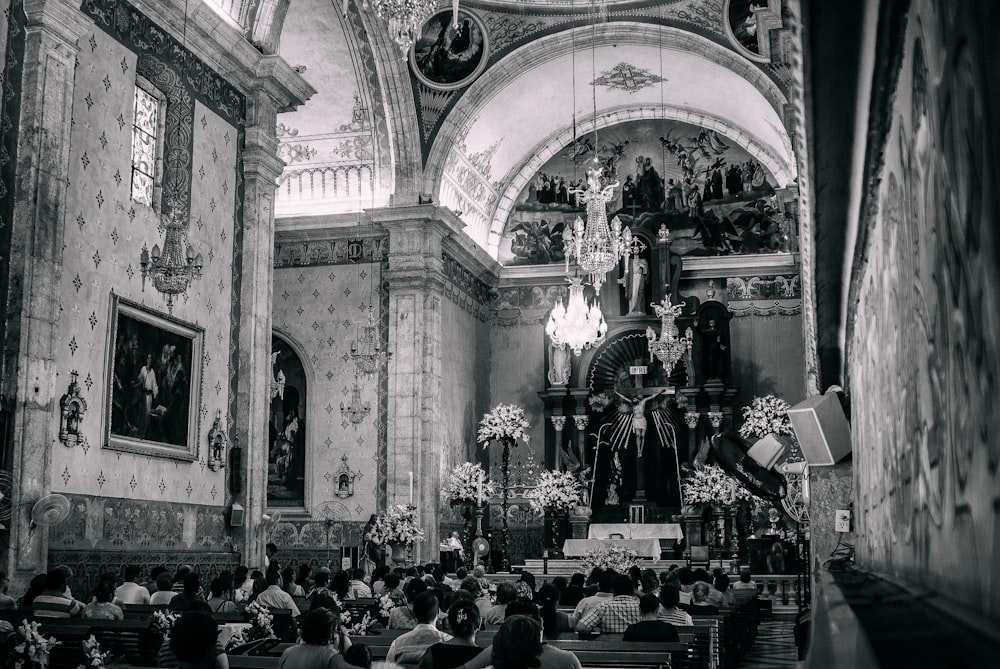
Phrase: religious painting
pixel 742 25
pixel 286 429
pixel 449 55
pixel 154 379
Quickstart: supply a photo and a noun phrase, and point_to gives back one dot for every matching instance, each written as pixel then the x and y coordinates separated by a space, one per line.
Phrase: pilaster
pixel 416 289
pixel 29 373
pixel 261 169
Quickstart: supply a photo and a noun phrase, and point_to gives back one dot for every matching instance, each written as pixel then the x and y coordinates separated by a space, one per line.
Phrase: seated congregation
pixel 416 617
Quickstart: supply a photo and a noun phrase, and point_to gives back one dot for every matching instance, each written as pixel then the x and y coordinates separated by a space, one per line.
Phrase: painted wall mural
pixel 923 358
pixel 447 54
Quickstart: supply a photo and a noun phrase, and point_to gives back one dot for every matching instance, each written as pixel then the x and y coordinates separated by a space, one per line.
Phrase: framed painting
pixel 154 382
pixel 446 56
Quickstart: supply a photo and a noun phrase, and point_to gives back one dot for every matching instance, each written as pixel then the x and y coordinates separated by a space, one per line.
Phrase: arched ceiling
pixel 473 148
pixel 520 112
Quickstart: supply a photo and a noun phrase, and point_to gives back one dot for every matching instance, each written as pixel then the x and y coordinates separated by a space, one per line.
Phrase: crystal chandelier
pixel 405 19
pixel 596 247
pixel 366 349
pixel 177 266
pixel 576 325
pixel 669 348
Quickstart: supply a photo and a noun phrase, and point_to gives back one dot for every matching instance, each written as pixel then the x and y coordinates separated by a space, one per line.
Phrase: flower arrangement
pixel 261 619
pixel 163 621
pixel 467 484
pixel 765 415
pixel 610 557
pixel 359 628
pixel 385 606
pixel 600 401
pixel 558 491
pixel 92 651
pixel 711 485
pixel 397 524
pixel 32 649
pixel 504 420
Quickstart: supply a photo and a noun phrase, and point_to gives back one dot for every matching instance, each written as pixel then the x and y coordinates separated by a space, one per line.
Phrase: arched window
pixel 286 428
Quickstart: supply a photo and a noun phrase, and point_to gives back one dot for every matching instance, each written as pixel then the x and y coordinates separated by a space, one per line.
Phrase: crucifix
pixel 639 424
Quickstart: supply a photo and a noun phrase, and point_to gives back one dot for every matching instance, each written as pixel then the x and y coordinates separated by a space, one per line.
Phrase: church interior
pixel 700 283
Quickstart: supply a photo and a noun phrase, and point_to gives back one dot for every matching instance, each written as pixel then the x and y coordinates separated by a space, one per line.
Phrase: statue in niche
pixel 713 362
pixel 560 365
pixel 635 285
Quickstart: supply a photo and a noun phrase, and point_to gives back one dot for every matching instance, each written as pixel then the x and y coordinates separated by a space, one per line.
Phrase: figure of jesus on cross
pixel 639 422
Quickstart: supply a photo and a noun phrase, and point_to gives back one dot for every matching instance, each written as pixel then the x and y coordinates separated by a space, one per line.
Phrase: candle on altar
pixel 411 488
pixel 479 490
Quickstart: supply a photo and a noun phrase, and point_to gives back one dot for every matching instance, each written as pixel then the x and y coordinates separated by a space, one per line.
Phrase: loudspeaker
pixel 767 451
pixel 822 429
pixel 236 516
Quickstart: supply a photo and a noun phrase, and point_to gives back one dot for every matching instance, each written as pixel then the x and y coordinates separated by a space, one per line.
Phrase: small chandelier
pixel 596 247
pixel 177 266
pixel 669 348
pixel 366 349
pixel 405 19
pixel 576 325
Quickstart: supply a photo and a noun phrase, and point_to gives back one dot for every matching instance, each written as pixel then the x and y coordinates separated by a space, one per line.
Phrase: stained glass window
pixel 145 122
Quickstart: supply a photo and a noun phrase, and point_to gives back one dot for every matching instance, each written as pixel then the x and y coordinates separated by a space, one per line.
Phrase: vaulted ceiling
pixel 546 72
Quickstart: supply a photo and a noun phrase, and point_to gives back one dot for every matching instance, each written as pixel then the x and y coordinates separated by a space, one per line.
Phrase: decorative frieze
pixel 331 252
pixel 764 287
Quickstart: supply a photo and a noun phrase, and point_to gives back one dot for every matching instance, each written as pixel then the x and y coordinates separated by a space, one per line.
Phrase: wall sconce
pixel 73 406
pixel 217 442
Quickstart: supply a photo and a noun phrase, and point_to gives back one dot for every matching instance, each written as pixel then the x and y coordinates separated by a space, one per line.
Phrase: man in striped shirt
pixel 53 602
pixel 669 612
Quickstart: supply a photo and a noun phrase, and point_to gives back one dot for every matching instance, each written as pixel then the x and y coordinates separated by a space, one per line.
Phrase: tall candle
pixel 479 490
pixel 411 488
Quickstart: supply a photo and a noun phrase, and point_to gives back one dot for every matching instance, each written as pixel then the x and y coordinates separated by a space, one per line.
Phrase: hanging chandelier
pixel 576 325
pixel 669 348
pixel 405 19
pixel 596 246
pixel 173 269
pixel 366 349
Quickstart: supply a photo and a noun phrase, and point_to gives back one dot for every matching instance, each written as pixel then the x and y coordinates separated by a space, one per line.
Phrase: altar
pixel 643 538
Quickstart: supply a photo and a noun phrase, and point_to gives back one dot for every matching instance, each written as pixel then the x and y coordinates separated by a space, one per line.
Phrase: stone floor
pixel 774 647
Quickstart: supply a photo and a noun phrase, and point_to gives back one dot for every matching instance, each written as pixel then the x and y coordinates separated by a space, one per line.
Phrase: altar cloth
pixel 636 530
pixel 647 548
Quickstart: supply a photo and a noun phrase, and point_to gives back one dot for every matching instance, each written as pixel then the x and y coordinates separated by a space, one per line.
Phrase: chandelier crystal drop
pixel 596 246
pixel 576 325
pixel 405 19
pixel 669 347
pixel 173 269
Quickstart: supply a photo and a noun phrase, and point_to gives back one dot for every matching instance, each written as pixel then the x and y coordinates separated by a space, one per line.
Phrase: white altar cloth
pixel 636 531
pixel 646 548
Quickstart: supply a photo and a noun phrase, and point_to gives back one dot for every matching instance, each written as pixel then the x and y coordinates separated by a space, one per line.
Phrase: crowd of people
pixel 440 616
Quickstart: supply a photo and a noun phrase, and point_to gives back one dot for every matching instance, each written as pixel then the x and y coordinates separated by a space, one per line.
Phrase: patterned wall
pixel 924 358
pixel 105 231
pixel 322 295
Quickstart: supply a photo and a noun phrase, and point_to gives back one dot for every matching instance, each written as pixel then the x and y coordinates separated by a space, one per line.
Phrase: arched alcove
pixel 288 425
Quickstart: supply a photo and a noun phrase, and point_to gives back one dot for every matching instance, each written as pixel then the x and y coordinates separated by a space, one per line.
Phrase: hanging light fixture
pixel 173 269
pixel 669 348
pixel 366 349
pixel 405 18
pixel 576 325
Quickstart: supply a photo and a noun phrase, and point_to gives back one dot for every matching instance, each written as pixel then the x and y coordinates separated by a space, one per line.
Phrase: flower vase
pixel 557 520
pixel 398 553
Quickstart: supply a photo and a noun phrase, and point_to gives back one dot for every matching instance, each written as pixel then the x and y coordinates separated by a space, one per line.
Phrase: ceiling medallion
pixel 628 78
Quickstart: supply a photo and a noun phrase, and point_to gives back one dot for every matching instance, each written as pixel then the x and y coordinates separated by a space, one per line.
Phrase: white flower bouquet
pixel 610 557
pixel 385 606
pixel 765 415
pixel 467 484
pixel 163 621
pixel 558 491
pixel 32 649
pixel 397 525
pixel 504 420
pixel 261 619
pixel 95 657
pixel 359 628
pixel 711 485
pixel 599 402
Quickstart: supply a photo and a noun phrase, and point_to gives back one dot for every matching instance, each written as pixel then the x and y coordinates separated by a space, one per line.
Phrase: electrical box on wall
pixel 842 520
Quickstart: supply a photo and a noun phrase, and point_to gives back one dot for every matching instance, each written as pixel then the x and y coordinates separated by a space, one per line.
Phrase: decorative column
pixel 416 289
pixel 691 419
pixel 29 391
pixel 715 418
pixel 553 399
pixel 277 88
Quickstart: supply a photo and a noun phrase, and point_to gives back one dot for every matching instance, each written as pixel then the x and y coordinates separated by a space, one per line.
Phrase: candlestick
pixel 411 488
